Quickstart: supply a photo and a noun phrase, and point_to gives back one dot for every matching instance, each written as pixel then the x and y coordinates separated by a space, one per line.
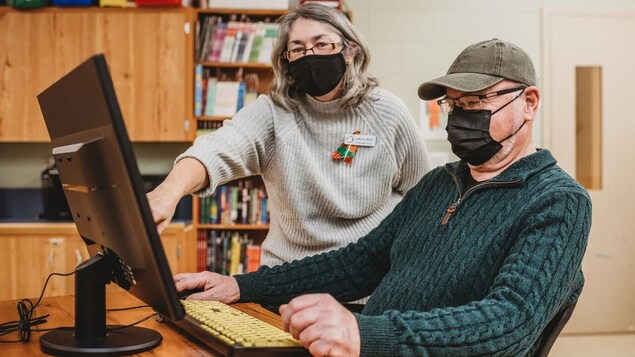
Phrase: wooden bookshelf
pixel 212 118
pixel 234 70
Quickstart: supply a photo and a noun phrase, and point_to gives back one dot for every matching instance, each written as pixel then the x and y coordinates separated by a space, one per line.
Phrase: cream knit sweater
pixel 317 203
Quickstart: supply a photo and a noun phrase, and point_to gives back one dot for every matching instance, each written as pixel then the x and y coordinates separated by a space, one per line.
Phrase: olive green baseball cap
pixel 482 65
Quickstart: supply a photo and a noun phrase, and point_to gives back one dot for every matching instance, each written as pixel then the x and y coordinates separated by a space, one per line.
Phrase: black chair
pixel 553 329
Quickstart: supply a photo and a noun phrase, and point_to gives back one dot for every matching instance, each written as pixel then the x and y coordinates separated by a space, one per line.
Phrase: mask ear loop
pixel 497 110
pixel 508 103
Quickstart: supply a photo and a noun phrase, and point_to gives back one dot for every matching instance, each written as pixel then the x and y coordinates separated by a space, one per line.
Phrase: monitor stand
pixel 90 336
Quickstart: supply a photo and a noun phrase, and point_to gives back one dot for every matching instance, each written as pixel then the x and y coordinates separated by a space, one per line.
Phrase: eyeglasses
pixel 320 48
pixel 472 101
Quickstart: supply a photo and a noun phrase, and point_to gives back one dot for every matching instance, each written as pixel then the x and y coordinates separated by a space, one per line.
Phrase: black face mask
pixel 317 75
pixel 468 132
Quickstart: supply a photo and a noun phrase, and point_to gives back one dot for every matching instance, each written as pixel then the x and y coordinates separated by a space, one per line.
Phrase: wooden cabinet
pixel 32 251
pixel 179 245
pixel 27 259
pixel 149 52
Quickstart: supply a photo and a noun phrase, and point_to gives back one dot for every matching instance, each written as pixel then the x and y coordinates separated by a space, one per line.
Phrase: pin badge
pixel 347 151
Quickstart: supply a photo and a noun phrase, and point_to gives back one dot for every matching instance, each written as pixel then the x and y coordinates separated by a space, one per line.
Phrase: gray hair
pixel 358 83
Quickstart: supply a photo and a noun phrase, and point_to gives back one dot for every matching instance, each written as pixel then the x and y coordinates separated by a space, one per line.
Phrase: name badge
pixel 360 140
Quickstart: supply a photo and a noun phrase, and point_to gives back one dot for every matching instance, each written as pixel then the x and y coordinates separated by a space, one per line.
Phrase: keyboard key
pixel 233 326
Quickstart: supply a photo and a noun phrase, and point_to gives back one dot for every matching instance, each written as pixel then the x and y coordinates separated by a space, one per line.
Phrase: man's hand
pixel 216 286
pixel 323 325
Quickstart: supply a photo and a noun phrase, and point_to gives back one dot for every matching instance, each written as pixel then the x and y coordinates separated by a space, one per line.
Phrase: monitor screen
pixel 103 186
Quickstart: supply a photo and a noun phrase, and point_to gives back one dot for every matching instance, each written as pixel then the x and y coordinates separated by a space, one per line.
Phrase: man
pixel 476 259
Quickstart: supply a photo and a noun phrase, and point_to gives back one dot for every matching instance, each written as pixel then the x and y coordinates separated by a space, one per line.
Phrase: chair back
pixel 553 329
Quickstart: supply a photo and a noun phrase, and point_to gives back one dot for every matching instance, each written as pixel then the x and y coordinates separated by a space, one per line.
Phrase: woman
pixel 323 194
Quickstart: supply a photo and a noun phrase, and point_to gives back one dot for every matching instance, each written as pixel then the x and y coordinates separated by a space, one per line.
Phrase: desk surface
pixel 61 313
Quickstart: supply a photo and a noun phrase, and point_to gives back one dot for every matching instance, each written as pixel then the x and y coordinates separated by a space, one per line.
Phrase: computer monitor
pixel 106 198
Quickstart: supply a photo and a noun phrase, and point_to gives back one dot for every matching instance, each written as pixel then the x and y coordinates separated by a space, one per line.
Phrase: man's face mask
pixel 468 132
pixel 316 75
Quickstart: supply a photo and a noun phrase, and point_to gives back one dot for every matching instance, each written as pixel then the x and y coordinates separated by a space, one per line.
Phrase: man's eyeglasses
pixel 472 101
pixel 320 48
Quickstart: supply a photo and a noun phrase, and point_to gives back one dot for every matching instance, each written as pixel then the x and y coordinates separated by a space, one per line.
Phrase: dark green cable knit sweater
pixel 485 283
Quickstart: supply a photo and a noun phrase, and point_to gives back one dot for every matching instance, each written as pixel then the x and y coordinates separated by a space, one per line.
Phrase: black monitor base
pixel 90 335
pixel 128 341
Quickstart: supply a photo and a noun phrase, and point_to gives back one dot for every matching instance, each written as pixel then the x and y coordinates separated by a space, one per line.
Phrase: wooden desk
pixel 61 313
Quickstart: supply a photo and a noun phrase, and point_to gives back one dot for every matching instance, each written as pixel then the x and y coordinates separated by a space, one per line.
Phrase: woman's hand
pixel 162 201
pixel 187 176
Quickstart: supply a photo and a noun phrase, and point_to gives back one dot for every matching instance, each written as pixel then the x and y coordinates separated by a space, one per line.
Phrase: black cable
pixel 26 308
pixel 108 329
pixel 132 324
pixel 127 308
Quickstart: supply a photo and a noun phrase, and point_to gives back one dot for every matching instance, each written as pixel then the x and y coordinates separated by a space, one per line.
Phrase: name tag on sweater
pixel 360 140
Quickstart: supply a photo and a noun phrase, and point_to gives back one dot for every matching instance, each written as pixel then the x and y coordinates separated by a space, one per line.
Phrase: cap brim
pixel 464 82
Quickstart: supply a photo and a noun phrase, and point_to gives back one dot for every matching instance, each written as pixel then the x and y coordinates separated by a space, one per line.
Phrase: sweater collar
pixel 324 108
pixel 519 170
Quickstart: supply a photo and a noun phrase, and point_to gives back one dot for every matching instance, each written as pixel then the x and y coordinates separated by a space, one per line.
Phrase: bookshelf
pixel 226 49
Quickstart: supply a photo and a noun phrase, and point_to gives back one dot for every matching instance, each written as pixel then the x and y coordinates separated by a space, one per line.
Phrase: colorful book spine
pixel 198 90
pixel 234 260
pixel 211 96
pixel 240 102
pixel 252 253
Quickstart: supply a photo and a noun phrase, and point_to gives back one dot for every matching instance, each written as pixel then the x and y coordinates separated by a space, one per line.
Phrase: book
pixel 234 260
pixel 211 96
pixel 225 254
pixel 268 42
pixel 259 34
pixel 240 43
pixel 228 42
pixel 251 88
pixel 198 90
pixel 217 42
pixel 252 256
pixel 250 29
pixel 226 100
pixel 242 88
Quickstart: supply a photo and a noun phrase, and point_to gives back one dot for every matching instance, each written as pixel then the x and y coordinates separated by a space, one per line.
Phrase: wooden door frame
pixel 547 14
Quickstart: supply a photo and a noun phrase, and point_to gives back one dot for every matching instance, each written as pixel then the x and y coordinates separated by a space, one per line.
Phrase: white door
pixel 601 39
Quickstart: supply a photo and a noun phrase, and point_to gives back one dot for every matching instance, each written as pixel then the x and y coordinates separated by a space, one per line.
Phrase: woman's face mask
pixel 317 75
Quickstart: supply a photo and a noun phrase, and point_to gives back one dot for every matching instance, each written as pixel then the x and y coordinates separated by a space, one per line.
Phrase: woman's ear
pixel 349 53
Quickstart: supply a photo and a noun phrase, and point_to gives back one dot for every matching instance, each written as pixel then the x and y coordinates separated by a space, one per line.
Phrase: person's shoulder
pixel 561 181
pixel 554 183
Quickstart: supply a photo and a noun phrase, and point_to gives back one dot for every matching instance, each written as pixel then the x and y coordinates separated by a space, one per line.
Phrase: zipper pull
pixel 449 212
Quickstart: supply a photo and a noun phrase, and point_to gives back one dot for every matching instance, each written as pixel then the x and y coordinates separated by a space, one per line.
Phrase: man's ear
pixel 532 101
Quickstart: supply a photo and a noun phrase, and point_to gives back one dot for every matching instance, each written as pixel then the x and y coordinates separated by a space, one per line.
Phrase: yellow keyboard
pixel 237 330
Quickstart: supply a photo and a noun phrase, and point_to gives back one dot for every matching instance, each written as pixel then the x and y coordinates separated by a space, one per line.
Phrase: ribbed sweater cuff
pixel 378 336
pixel 250 287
